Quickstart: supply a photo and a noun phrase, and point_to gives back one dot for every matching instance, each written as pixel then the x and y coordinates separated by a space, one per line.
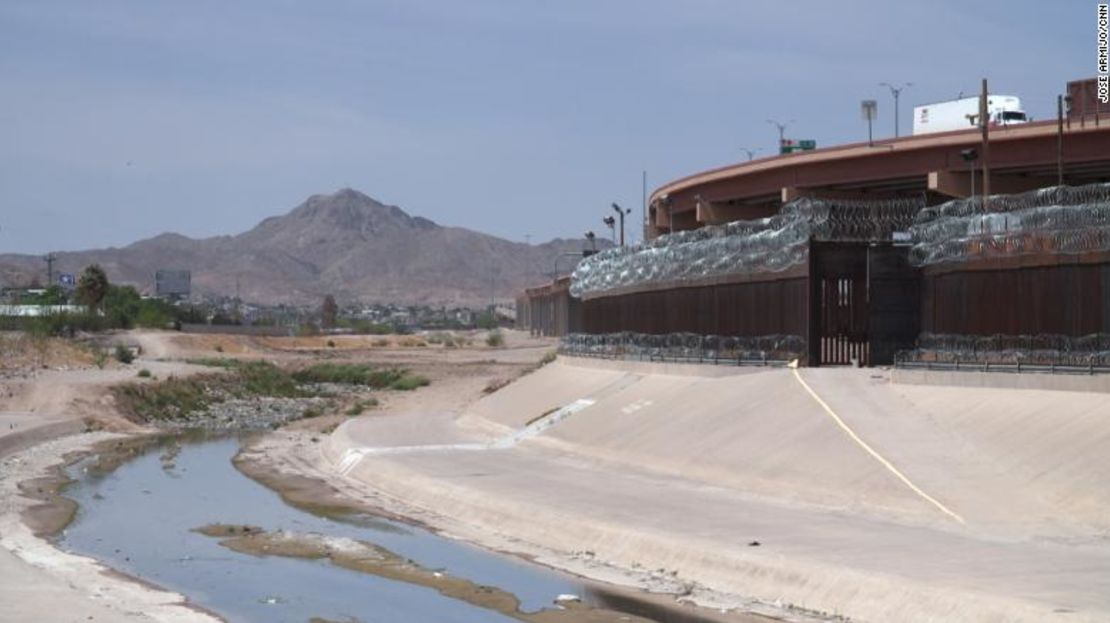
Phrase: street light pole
pixel 621 212
pixel 782 130
pixel 611 223
pixel 896 92
pixel 751 152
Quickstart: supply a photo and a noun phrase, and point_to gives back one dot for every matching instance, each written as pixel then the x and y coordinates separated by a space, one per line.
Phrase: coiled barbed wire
pixel 766 245
pixel 1057 220
pixel 1037 349
pixel 687 346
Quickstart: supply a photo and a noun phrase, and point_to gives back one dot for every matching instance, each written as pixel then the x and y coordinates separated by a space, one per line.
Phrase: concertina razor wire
pixel 1060 220
pixel 766 245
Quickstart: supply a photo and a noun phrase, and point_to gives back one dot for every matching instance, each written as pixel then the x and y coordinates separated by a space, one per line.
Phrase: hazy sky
pixel 123 119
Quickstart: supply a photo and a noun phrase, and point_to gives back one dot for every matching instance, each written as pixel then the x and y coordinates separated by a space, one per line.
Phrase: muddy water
pixel 140 519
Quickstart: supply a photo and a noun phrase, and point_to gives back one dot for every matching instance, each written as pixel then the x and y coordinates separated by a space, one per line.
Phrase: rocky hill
pixel 346 244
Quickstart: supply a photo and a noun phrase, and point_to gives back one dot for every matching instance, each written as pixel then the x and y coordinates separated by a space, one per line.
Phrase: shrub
pixel 361 405
pixel 214 362
pixel 123 354
pixel 262 378
pixel 168 400
pixel 176 398
pixel 548 358
pixel 495 339
pixel 349 374
pixel 331 343
pixel 409 383
pixel 143 374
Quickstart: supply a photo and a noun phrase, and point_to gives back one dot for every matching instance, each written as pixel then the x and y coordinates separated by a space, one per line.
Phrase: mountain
pixel 346 244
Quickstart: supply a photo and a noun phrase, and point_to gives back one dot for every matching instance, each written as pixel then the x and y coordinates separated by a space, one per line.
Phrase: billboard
pixel 172 282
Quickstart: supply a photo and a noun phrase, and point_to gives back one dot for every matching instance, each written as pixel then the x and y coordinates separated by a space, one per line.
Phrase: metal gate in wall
pixel 865 303
pixel 840 305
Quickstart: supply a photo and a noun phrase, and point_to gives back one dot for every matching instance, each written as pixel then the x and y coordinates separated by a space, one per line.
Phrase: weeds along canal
pixel 141 519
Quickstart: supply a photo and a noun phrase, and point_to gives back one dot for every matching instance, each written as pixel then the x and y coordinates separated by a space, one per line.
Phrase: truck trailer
pixel 963 114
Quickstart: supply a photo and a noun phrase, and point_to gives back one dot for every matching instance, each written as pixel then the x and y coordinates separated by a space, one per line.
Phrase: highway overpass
pixel 1022 157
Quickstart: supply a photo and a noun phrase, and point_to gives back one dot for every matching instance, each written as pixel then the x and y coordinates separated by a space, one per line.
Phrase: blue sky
pixel 123 119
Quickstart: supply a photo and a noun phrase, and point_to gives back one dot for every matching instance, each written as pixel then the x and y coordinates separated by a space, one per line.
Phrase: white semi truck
pixel 963 114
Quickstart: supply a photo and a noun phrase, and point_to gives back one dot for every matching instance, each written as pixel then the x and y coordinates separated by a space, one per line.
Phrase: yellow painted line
pixel 878 457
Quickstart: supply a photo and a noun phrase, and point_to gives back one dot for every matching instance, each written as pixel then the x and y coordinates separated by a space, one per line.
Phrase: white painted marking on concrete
pixel 633 407
pixel 353 456
pixel 878 457
pixel 542 424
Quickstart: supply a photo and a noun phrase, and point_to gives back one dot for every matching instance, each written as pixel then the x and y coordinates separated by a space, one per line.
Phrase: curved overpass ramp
pixel 1021 158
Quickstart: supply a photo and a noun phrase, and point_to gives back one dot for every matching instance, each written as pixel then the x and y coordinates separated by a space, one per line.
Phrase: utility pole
pixel 751 152
pixel 644 207
pixel 50 258
pixel 1059 140
pixel 782 130
pixel 984 124
pixel 896 92
pixel 969 156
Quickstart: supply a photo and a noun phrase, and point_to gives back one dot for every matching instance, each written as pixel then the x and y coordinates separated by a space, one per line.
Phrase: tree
pixel 329 312
pixel 92 287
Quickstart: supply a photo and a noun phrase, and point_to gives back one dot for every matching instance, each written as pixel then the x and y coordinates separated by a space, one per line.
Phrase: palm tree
pixel 92 286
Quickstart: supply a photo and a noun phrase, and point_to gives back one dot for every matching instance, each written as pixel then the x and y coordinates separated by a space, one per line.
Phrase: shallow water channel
pixel 140 518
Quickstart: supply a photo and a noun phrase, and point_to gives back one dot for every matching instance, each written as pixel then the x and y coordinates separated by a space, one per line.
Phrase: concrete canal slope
pixel 827 490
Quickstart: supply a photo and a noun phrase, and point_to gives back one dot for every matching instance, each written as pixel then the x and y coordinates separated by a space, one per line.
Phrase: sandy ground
pixel 54 402
pixel 44 413
pixel 880 502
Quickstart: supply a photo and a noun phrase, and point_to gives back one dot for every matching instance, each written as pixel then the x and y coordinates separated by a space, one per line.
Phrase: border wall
pixel 549 310
pixel 1013 280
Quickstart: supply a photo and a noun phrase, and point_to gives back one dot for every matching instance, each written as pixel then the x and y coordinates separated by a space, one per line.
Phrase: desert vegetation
pixel 177 399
